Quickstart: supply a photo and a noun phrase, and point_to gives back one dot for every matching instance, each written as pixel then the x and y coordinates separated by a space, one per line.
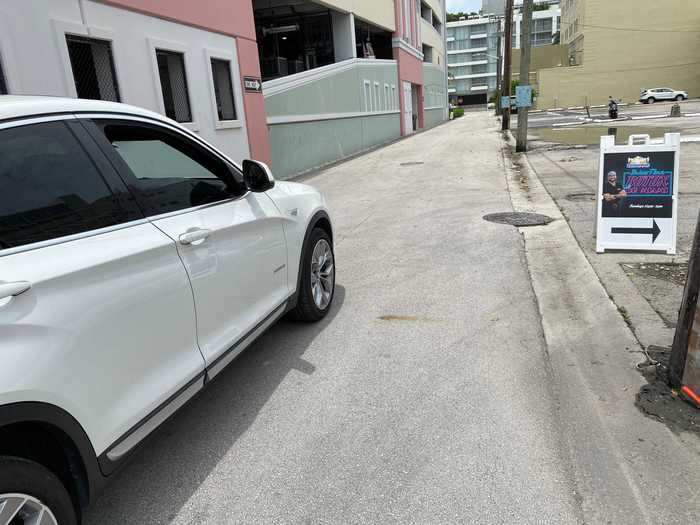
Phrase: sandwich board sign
pixel 638 194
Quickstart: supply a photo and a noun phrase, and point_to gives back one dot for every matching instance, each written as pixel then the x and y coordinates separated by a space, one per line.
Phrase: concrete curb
pixel 593 355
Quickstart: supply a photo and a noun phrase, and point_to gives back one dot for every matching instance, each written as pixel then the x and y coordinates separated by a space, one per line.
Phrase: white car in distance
pixel 116 226
pixel 649 96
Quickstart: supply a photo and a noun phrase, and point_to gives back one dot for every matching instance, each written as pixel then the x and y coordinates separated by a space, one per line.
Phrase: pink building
pixel 294 83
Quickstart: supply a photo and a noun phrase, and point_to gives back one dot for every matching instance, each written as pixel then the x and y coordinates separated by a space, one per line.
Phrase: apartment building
pixel 295 83
pixel 472 51
pixel 618 48
pixel 573 16
pixel 472 59
pixel 498 7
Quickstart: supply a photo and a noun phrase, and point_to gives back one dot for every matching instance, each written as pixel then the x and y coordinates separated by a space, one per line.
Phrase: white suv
pixel 649 96
pixel 136 262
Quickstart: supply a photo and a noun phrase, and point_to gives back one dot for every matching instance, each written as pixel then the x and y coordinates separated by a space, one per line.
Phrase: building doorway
pixel 407 108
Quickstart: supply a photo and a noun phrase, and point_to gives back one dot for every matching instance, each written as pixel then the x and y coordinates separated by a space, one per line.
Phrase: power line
pixel 632 29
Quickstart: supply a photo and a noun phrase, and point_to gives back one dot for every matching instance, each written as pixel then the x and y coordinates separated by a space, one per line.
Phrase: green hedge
pixel 457 112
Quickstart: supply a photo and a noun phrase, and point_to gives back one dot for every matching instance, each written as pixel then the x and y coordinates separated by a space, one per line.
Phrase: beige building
pixel 619 47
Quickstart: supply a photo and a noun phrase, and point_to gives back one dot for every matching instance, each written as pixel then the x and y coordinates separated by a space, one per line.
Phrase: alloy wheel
pixel 322 274
pixel 21 509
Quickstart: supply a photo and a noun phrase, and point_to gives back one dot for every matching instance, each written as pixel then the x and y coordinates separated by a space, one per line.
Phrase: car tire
pixel 680 98
pixel 317 270
pixel 651 100
pixel 42 491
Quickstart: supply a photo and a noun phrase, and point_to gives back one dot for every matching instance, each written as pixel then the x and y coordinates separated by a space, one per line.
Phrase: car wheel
pixel 30 493
pixel 317 284
pixel 679 98
pixel 651 100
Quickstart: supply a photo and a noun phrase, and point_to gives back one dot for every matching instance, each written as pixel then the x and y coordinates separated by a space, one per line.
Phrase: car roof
pixel 20 106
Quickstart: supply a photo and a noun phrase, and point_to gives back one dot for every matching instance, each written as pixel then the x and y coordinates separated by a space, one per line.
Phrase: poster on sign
pixel 637 194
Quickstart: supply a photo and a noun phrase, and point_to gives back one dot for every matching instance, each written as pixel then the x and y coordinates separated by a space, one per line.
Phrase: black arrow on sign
pixel 654 231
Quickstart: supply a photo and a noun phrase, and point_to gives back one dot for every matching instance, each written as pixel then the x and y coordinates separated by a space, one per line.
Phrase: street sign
pixel 252 84
pixel 523 96
pixel 505 102
pixel 638 194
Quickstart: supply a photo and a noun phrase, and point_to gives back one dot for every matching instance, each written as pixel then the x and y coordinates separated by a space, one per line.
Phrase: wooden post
pixel 686 314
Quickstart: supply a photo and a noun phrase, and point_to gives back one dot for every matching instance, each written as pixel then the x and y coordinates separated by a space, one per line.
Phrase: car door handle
pixel 194 237
pixel 12 289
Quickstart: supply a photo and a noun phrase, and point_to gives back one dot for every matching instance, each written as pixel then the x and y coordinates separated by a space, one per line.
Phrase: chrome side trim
pixel 223 360
pixel 155 420
pixel 70 238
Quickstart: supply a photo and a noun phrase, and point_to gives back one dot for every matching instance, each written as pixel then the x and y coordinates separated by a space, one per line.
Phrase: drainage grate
pixel 580 197
pixel 411 163
pixel 519 219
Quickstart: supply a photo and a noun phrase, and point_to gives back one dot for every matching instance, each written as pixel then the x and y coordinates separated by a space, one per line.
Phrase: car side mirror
pixel 257 176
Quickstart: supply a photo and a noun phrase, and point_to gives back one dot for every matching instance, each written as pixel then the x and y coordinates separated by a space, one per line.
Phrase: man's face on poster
pixel 612 178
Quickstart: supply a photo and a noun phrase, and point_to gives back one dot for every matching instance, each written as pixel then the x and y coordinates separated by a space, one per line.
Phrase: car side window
pixel 50 187
pixel 168 172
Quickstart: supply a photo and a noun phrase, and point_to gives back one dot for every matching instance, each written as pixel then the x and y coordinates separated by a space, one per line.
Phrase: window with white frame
pixel 387 103
pixel 93 68
pixel 173 83
pixel 368 95
pixel 377 97
pixel 394 102
pixel 223 89
pixel 3 84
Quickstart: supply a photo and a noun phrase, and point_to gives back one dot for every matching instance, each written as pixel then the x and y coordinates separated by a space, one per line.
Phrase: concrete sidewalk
pixel 629 468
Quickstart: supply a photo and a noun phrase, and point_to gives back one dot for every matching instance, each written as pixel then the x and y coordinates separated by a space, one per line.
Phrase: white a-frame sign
pixel 638 194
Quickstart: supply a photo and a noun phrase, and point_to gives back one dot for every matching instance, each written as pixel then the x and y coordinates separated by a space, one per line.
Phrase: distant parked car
pixel 649 96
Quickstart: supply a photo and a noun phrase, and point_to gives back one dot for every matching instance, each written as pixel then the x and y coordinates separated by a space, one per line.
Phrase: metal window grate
pixel 3 85
pixel 173 83
pixel 223 89
pixel 93 68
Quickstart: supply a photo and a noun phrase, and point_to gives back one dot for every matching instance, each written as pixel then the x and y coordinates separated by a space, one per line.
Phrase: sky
pixel 464 6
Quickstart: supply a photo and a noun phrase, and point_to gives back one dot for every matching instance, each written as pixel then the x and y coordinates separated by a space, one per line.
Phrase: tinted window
pixel 168 172
pixel 49 187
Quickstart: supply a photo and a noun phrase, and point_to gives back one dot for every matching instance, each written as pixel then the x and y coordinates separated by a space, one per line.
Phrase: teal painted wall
pixel 300 146
pixel 433 117
pixel 434 95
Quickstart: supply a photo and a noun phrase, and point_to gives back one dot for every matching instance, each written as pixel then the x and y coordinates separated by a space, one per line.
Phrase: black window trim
pixel 90 152
pixel 118 163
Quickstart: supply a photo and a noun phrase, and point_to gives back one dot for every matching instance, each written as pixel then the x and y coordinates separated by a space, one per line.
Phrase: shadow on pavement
pixel 180 455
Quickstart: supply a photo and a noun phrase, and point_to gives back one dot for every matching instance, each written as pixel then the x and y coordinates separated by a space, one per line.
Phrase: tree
pixel 454 17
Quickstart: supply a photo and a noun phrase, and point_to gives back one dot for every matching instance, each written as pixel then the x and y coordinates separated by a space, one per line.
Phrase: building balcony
pixel 470 50
pixel 475 75
pixel 299 35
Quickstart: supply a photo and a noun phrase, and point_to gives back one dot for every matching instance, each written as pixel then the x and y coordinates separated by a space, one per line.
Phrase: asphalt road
pixel 551 118
pixel 424 397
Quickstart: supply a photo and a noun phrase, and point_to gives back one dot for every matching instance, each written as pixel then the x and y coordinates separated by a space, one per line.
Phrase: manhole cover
pixel 580 197
pixel 519 219
pixel 411 163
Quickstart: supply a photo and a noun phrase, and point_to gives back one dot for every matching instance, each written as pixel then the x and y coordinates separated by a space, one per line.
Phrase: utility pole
pixel 525 48
pixel 686 314
pixel 507 45
pixel 499 64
